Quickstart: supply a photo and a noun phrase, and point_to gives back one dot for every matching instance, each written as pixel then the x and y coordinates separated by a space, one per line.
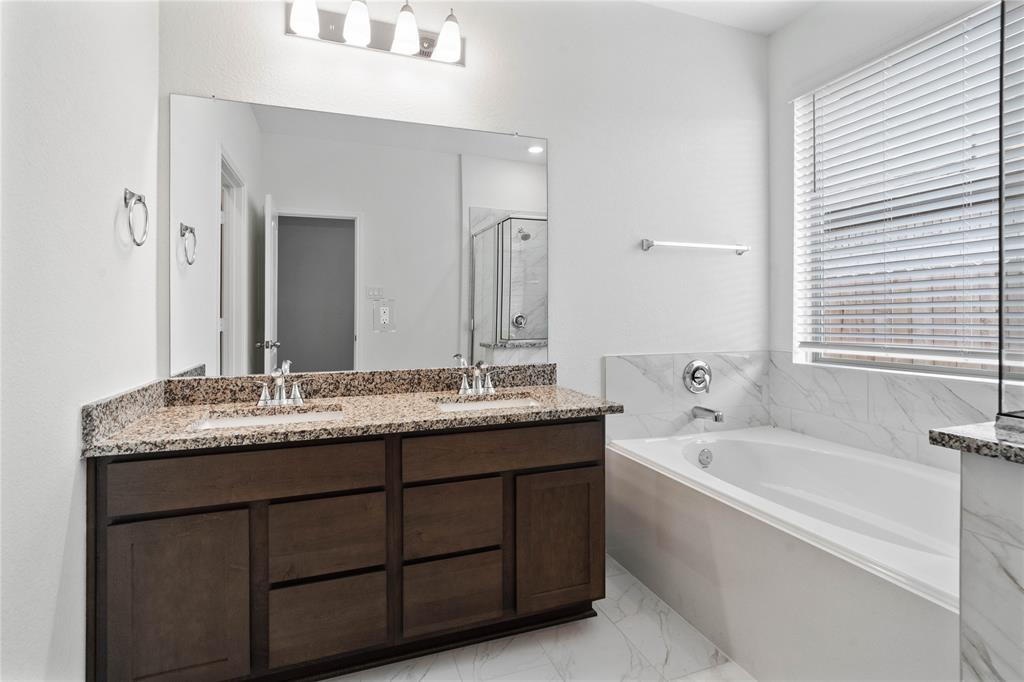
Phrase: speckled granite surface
pixel 104 417
pixel 979 439
pixel 207 390
pixel 173 427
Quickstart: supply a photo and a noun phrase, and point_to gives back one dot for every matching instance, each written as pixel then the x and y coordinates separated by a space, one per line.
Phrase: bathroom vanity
pixel 275 556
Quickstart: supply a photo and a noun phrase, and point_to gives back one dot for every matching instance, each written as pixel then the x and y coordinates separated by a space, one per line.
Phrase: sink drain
pixel 705 458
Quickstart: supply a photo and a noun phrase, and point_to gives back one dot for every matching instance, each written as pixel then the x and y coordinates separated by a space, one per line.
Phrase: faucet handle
pixel 264 394
pixel 296 396
pixel 488 386
pixel 460 360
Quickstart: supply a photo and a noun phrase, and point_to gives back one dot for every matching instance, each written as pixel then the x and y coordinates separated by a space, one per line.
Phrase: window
pixel 896 180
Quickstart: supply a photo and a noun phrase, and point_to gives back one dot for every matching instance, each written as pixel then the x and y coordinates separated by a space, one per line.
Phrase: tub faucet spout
pixel 700 412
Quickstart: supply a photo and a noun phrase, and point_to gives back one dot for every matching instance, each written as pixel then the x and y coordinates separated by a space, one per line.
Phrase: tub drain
pixel 705 458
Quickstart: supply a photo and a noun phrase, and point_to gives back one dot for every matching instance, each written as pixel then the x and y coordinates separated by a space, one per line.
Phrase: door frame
pixel 235 226
pixel 357 221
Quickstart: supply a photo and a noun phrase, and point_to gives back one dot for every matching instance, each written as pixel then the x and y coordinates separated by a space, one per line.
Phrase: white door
pixel 270 344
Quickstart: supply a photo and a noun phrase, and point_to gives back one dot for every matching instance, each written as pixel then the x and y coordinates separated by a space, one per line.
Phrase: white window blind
pixel 897 207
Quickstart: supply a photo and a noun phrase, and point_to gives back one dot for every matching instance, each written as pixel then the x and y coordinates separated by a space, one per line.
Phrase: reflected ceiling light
pixel 305 19
pixel 535 149
pixel 407 34
pixel 449 41
pixel 357 24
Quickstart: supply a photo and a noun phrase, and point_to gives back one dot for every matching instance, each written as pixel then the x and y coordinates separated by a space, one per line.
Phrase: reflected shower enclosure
pixel 509 287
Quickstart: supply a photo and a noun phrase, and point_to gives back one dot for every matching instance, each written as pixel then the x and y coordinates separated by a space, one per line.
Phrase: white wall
pixel 656 127
pixel 79 96
pixel 406 202
pixel 202 134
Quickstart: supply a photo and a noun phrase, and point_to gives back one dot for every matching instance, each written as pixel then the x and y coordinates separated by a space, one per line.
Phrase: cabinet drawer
pixel 452 517
pixel 336 534
pixel 208 480
pixel 483 452
pixel 327 618
pixel 450 593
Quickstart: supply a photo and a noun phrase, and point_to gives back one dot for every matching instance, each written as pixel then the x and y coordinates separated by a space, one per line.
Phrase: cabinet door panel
pixel 559 538
pixel 178 598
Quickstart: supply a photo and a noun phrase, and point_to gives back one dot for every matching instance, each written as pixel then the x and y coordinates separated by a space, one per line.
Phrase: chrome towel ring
pixel 185 231
pixel 130 200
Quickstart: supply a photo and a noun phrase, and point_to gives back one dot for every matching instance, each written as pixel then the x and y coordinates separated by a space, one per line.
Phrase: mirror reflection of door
pixel 316 263
pixel 270 340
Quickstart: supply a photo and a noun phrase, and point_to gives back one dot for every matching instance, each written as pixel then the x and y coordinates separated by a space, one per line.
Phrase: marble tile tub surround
pixel 103 418
pixel 657 404
pixel 885 412
pixel 992 570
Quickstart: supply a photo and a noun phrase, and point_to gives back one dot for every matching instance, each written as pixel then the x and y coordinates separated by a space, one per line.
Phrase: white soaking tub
pixel 802 559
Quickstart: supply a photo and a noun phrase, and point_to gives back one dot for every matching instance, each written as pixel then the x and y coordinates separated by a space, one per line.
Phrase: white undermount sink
pixel 477 405
pixel 265 420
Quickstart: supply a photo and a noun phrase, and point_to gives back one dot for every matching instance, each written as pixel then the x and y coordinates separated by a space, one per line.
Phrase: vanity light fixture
pixel 357 24
pixel 304 19
pixel 407 33
pixel 356 29
pixel 535 149
pixel 449 41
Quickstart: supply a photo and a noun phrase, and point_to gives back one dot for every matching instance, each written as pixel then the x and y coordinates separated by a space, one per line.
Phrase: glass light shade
pixel 449 41
pixel 407 34
pixel 304 20
pixel 357 24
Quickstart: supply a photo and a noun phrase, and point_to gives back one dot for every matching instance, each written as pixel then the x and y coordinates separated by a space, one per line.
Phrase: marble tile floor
pixel 635 636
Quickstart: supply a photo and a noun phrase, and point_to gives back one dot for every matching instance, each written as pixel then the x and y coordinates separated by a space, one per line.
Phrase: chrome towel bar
pixel 740 249
pixel 131 199
pixel 185 231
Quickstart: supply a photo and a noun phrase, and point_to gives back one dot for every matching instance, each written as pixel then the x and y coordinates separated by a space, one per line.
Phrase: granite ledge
pixel 978 439
pixel 172 428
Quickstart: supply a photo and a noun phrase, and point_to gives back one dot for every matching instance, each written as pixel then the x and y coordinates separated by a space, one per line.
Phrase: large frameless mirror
pixel 341 242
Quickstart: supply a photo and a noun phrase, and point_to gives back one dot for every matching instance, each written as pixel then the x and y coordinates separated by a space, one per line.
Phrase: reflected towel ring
pixel 187 230
pixel 130 200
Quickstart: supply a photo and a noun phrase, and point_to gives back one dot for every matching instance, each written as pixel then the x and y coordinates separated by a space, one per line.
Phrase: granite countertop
pixel 173 428
pixel 979 439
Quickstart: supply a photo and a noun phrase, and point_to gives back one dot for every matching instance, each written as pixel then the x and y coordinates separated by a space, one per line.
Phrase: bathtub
pixel 800 558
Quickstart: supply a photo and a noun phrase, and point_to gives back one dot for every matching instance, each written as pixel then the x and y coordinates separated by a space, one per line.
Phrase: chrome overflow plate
pixel 697 377
pixel 704 458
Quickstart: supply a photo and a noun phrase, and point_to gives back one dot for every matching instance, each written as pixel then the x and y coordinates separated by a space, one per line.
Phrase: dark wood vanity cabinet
pixel 285 563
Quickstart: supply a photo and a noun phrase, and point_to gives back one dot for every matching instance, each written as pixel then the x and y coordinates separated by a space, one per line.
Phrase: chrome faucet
pixel 700 412
pixel 280 393
pixel 481 382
